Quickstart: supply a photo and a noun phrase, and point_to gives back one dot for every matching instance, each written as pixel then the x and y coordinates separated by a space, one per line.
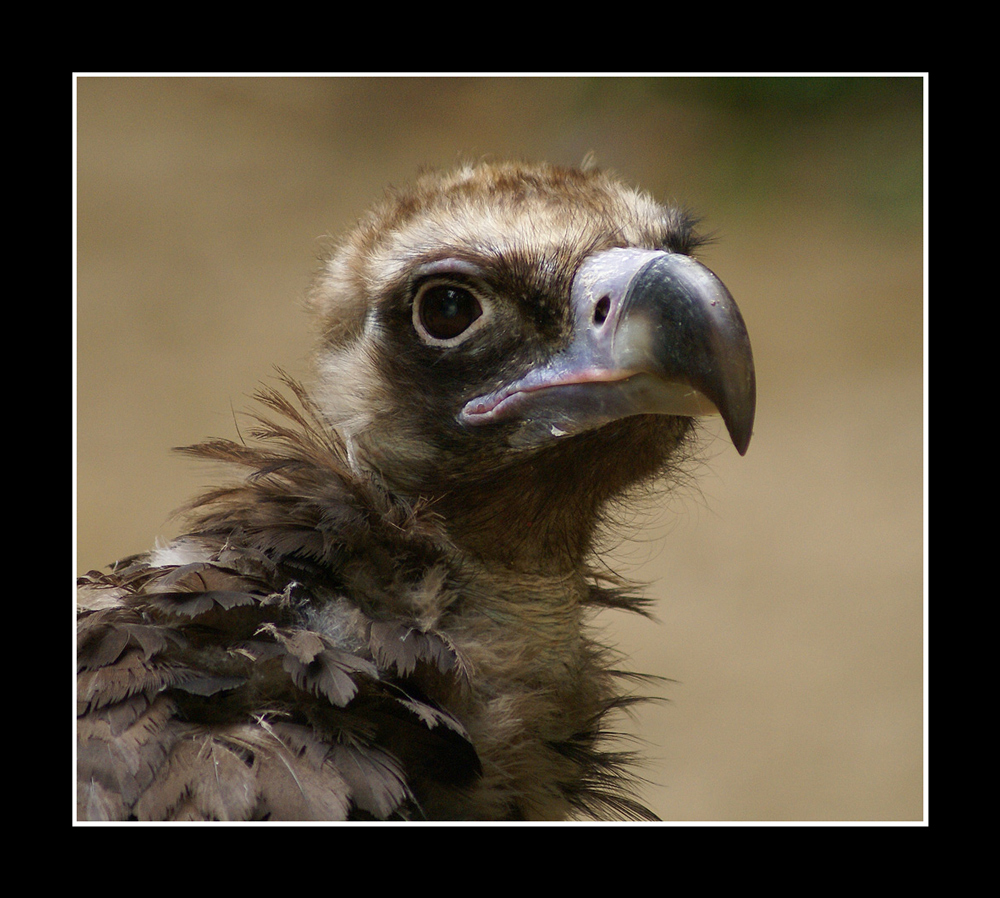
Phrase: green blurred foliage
pixel 857 140
pixel 791 98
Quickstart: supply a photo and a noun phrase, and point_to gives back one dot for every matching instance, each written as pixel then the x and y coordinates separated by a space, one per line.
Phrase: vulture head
pixel 387 615
pixel 521 344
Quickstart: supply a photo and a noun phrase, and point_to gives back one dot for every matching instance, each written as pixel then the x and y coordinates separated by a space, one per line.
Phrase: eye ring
pixel 446 312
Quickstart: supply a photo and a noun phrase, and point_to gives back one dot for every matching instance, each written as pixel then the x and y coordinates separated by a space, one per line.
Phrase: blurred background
pixel 788 584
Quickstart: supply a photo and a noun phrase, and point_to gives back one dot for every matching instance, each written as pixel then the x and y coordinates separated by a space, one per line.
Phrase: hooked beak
pixel 654 333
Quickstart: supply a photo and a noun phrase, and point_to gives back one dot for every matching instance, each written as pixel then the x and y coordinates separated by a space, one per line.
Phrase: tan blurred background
pixel 789 586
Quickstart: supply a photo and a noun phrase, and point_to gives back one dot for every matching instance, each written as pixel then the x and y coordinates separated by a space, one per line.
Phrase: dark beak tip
pixel 737 397
pixel 741 442
pixel 739 418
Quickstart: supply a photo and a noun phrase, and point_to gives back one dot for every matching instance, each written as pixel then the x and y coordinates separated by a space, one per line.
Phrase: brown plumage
pixel 385 614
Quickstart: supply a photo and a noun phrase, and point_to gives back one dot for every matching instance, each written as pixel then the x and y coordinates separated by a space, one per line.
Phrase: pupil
pixel 449 305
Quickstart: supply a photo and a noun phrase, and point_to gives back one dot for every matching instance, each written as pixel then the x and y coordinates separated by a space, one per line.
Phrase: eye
pixel 443 312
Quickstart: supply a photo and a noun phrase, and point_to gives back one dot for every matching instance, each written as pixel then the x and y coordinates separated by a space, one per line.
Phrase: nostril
pixel 601 310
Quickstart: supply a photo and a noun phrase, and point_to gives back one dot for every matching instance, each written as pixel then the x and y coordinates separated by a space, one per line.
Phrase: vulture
pixel 385 609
